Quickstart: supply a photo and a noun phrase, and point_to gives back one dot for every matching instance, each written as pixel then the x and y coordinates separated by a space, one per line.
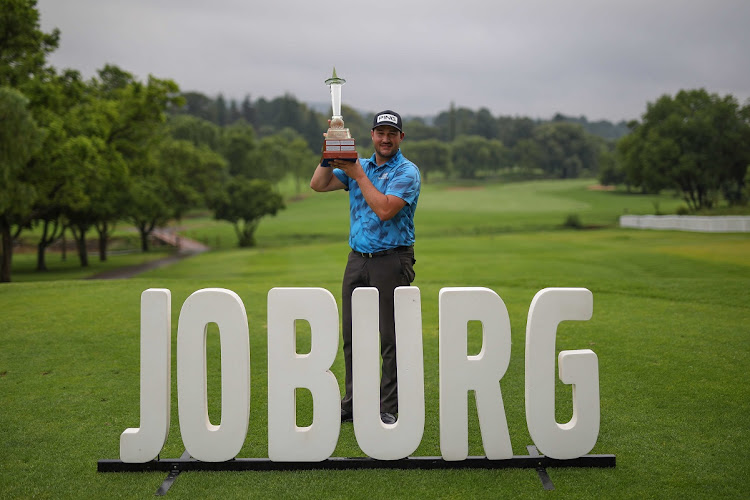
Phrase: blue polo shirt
pixel 397 177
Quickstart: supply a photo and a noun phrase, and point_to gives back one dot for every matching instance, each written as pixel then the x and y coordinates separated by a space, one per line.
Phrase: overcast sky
pixel 604 59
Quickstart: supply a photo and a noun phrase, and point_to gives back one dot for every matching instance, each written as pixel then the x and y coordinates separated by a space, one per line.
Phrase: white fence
pixel 706 224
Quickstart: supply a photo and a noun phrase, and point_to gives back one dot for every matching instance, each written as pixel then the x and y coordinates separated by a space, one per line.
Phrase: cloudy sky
pixel 604 59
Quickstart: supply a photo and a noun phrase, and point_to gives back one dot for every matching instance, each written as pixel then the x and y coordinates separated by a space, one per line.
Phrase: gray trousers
pixel 385 272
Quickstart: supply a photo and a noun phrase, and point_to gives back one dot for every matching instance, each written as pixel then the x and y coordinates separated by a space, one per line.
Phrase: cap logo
pixel 387 118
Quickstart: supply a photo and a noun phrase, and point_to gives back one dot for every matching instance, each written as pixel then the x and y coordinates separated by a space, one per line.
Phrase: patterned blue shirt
pixel 397 177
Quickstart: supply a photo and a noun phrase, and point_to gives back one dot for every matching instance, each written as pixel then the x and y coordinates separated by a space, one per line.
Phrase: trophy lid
pixel 335 80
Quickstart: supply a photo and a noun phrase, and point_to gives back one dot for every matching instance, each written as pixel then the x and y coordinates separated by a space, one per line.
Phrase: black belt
pixel 370 255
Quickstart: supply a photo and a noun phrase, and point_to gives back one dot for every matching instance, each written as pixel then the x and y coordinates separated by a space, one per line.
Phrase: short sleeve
pixel 405 184
pixel 340 175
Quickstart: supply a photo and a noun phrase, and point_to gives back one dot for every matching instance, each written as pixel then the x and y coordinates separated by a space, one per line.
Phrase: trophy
pixel 338 144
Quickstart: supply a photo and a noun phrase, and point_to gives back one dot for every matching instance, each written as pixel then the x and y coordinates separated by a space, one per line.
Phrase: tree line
pixel 458 143
pixel 81 155
pixel 695 143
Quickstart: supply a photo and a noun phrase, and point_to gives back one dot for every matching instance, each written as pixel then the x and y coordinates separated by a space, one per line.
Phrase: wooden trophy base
pixel 338 149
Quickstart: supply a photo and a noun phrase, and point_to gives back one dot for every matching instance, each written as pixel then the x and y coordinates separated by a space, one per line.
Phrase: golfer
pixel 383 195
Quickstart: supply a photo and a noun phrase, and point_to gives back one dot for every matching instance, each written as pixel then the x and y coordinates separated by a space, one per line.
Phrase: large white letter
pixel 288 370
pixel 203 440
pixel 579 368
pixel 460 373
pixel 376 439
pixel 144 443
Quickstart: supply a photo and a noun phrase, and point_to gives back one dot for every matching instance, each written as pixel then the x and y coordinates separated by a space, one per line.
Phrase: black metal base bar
pixel 541 471
pixel 340 463
pixel 171 477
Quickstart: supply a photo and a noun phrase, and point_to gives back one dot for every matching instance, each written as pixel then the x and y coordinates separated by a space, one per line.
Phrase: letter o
pixel 204 441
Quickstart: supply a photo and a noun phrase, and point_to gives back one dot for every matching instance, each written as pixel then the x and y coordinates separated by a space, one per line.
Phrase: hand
pixel 351 168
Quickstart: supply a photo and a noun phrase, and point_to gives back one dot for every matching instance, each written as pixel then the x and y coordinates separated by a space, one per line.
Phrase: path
pixel 185 248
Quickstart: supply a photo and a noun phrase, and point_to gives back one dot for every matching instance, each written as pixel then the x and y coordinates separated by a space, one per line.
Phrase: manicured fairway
pixel 446 210
pixel 670 328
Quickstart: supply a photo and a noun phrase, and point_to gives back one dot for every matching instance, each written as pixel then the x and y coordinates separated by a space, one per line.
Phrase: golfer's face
pixel 386 140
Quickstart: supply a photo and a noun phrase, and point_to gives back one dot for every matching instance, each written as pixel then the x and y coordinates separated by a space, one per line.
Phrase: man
pixel 383 195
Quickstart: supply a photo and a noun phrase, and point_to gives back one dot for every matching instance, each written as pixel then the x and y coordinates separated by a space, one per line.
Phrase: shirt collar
pixel 393 161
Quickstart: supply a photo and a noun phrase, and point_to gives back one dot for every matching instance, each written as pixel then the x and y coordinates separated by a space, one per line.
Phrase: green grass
pixel 670 328
pixel 24 265
pixel 447 210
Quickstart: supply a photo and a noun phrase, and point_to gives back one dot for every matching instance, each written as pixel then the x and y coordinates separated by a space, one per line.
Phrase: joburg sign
pixel 288 370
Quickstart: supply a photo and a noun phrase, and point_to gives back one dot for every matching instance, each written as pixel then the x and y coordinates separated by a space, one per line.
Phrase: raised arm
pixel 323 180
pixel 384 206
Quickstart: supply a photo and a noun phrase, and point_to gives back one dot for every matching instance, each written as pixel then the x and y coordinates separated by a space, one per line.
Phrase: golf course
pixel 670 327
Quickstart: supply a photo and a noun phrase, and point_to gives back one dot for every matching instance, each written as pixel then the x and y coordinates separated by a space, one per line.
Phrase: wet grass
pixel 670 328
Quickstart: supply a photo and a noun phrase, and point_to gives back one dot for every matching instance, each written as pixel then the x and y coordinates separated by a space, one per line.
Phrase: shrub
pixel 573 221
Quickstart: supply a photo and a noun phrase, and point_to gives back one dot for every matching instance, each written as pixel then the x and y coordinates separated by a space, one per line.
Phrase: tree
pixel 98 122
pixel 149 207
pixel 627 162
pixel 244 203
pixel 279 155
pixel 233 113
pixel 284 111
pixel 293 156
pixel 196 130
pixel 109 198
pixel 53 173
pixel 609 173
pixel 562 150
pixel 511 130
pixel 19 139
pixel 198 105
pixel 134 113
pixel 473 154
pixel 268 159
pixel 455 122
pixel 484 125
pixel 247 110
pixel 139 109
pixel 201 171
pixel 166 185
pixel 204 165
pixel 695 142
pixel 23 46
pixel 23 53
pixel 417 130
pixel 93 168
pixel 237 142
pixel 359 126
pixel 66 176
pixel 601 128
pixel 429 155
pixel 221 110
pixel 79 172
